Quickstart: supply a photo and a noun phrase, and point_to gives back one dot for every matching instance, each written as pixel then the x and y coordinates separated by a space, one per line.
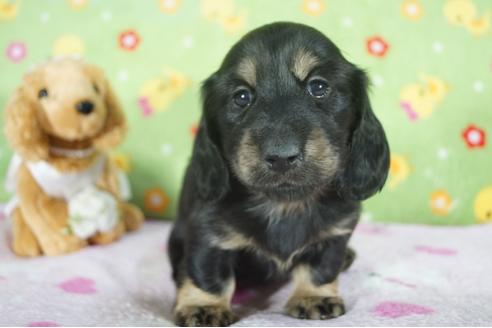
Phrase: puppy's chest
pixel 279 234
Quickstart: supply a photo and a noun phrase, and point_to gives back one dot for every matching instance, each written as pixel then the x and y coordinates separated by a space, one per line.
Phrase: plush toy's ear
pixel 367 165
pixel 115 128
pixel 22 127
pixel 208 164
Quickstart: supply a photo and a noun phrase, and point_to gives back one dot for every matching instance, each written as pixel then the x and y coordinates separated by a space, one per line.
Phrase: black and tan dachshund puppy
pixel 287 147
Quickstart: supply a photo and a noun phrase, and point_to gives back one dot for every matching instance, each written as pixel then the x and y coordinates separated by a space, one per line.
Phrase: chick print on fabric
pixel 429 62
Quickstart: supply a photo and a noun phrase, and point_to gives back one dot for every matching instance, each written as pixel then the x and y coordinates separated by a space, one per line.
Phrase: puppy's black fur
pixel 279 168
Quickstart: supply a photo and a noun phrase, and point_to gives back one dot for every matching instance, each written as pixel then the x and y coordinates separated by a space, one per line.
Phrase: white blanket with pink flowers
pixel 404 275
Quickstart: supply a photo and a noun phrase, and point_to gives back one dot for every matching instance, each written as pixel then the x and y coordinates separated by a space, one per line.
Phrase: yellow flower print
pixel 156 200
pixel 313 7
pixel 8 9
pixel 67 45
pixel 483 205
pixel 169 6
pixel 224 13
pixel 440 202
pixel 158 93
pixel 411 9
pixel 464 13
pixel 78 4
pixel 419 99
pixel 122 161
pixel 399 170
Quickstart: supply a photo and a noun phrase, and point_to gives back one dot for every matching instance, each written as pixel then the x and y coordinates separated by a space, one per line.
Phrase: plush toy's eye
pixel 96 88
pixel 318 88
pixel 243 98
pixel 43 93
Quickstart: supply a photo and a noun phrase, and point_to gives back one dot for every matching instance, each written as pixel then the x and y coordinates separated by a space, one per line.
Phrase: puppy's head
pixel 289 116
pixel 64 100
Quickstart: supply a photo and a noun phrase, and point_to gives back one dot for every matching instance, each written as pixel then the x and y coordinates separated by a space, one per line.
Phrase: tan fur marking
pixel 248 156
pixel 319 151
pixel 247 71
pixel 304 285
pixel 189 295
pixel 304 62
pixel 234 240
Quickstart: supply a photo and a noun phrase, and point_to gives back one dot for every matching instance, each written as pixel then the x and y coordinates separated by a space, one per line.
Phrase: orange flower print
pixel 129 40
pixel 377 46
pixel 156 200
pixel 77 4
pixel 169 6
pixel 411 9
pixel 440 202
pixel 313 7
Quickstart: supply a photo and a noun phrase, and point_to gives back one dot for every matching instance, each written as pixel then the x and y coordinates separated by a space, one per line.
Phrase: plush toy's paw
pixel 103 238
pixel 315 307
pixel 208 316
pixel 60 244
pixel 24 243
pixel 132 216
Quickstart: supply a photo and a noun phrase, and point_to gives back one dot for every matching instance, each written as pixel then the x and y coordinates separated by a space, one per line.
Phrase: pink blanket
pixel 404 275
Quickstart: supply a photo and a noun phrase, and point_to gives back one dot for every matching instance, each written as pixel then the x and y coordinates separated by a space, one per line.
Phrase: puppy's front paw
pixel 208 316
pixel 315 307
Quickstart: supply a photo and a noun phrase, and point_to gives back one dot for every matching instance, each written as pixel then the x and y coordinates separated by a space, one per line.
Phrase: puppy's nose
pixel 281 159
pixel 85 107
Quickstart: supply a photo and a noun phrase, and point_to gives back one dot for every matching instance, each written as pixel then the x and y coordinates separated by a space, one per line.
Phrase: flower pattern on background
pixel 434 112
pixel 129 40
pixel 464 13
pixel 8 9
pixel 418 100
pixel 440 202
pixel 483 205
pixel 169 6
pixel 16 51
pixel 158 93
pixel 474 137
pixel 122 161
pixel 313 7
pixel 399 170
pixel 411 9
pixel 224 13
pixel 156 200
pixel 67 45
pixel 377 46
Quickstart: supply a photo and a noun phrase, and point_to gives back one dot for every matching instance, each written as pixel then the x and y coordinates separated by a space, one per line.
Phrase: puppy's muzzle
pixel 84 107
pixel 282 157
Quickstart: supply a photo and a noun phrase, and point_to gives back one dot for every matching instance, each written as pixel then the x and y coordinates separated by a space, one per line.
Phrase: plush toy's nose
pixel 84 107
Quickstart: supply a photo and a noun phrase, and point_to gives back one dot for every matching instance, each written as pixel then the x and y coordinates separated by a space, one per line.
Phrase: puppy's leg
pixel 205 288
pixel 24 243
pixel 315 295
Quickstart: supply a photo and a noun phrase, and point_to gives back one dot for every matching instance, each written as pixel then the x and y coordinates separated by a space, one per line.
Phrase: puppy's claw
pixel 316 307
pixel 205 316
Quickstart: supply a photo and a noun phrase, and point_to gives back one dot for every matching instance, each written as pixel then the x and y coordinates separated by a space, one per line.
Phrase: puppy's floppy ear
pixel 22 127
pixel 209 167
pixel 366 167
pixel 115 128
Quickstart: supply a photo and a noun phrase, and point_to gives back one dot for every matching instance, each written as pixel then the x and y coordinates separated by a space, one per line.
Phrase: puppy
pixel 287 147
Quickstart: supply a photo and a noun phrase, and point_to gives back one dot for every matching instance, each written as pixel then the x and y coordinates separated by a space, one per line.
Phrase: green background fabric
pixel 430 64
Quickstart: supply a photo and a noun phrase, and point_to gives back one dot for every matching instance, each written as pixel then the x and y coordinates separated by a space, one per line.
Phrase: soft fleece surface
pixel 404 275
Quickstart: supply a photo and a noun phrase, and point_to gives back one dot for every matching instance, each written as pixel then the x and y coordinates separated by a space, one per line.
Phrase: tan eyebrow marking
pixel 247 71
pixel 304 62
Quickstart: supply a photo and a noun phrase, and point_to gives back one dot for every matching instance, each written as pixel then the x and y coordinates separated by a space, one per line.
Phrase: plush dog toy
pixel 68 194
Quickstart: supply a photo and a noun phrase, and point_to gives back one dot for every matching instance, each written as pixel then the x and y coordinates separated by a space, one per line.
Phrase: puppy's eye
pixel 243 98
pixel 43 93
pixel 318 88
pixel 96 88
